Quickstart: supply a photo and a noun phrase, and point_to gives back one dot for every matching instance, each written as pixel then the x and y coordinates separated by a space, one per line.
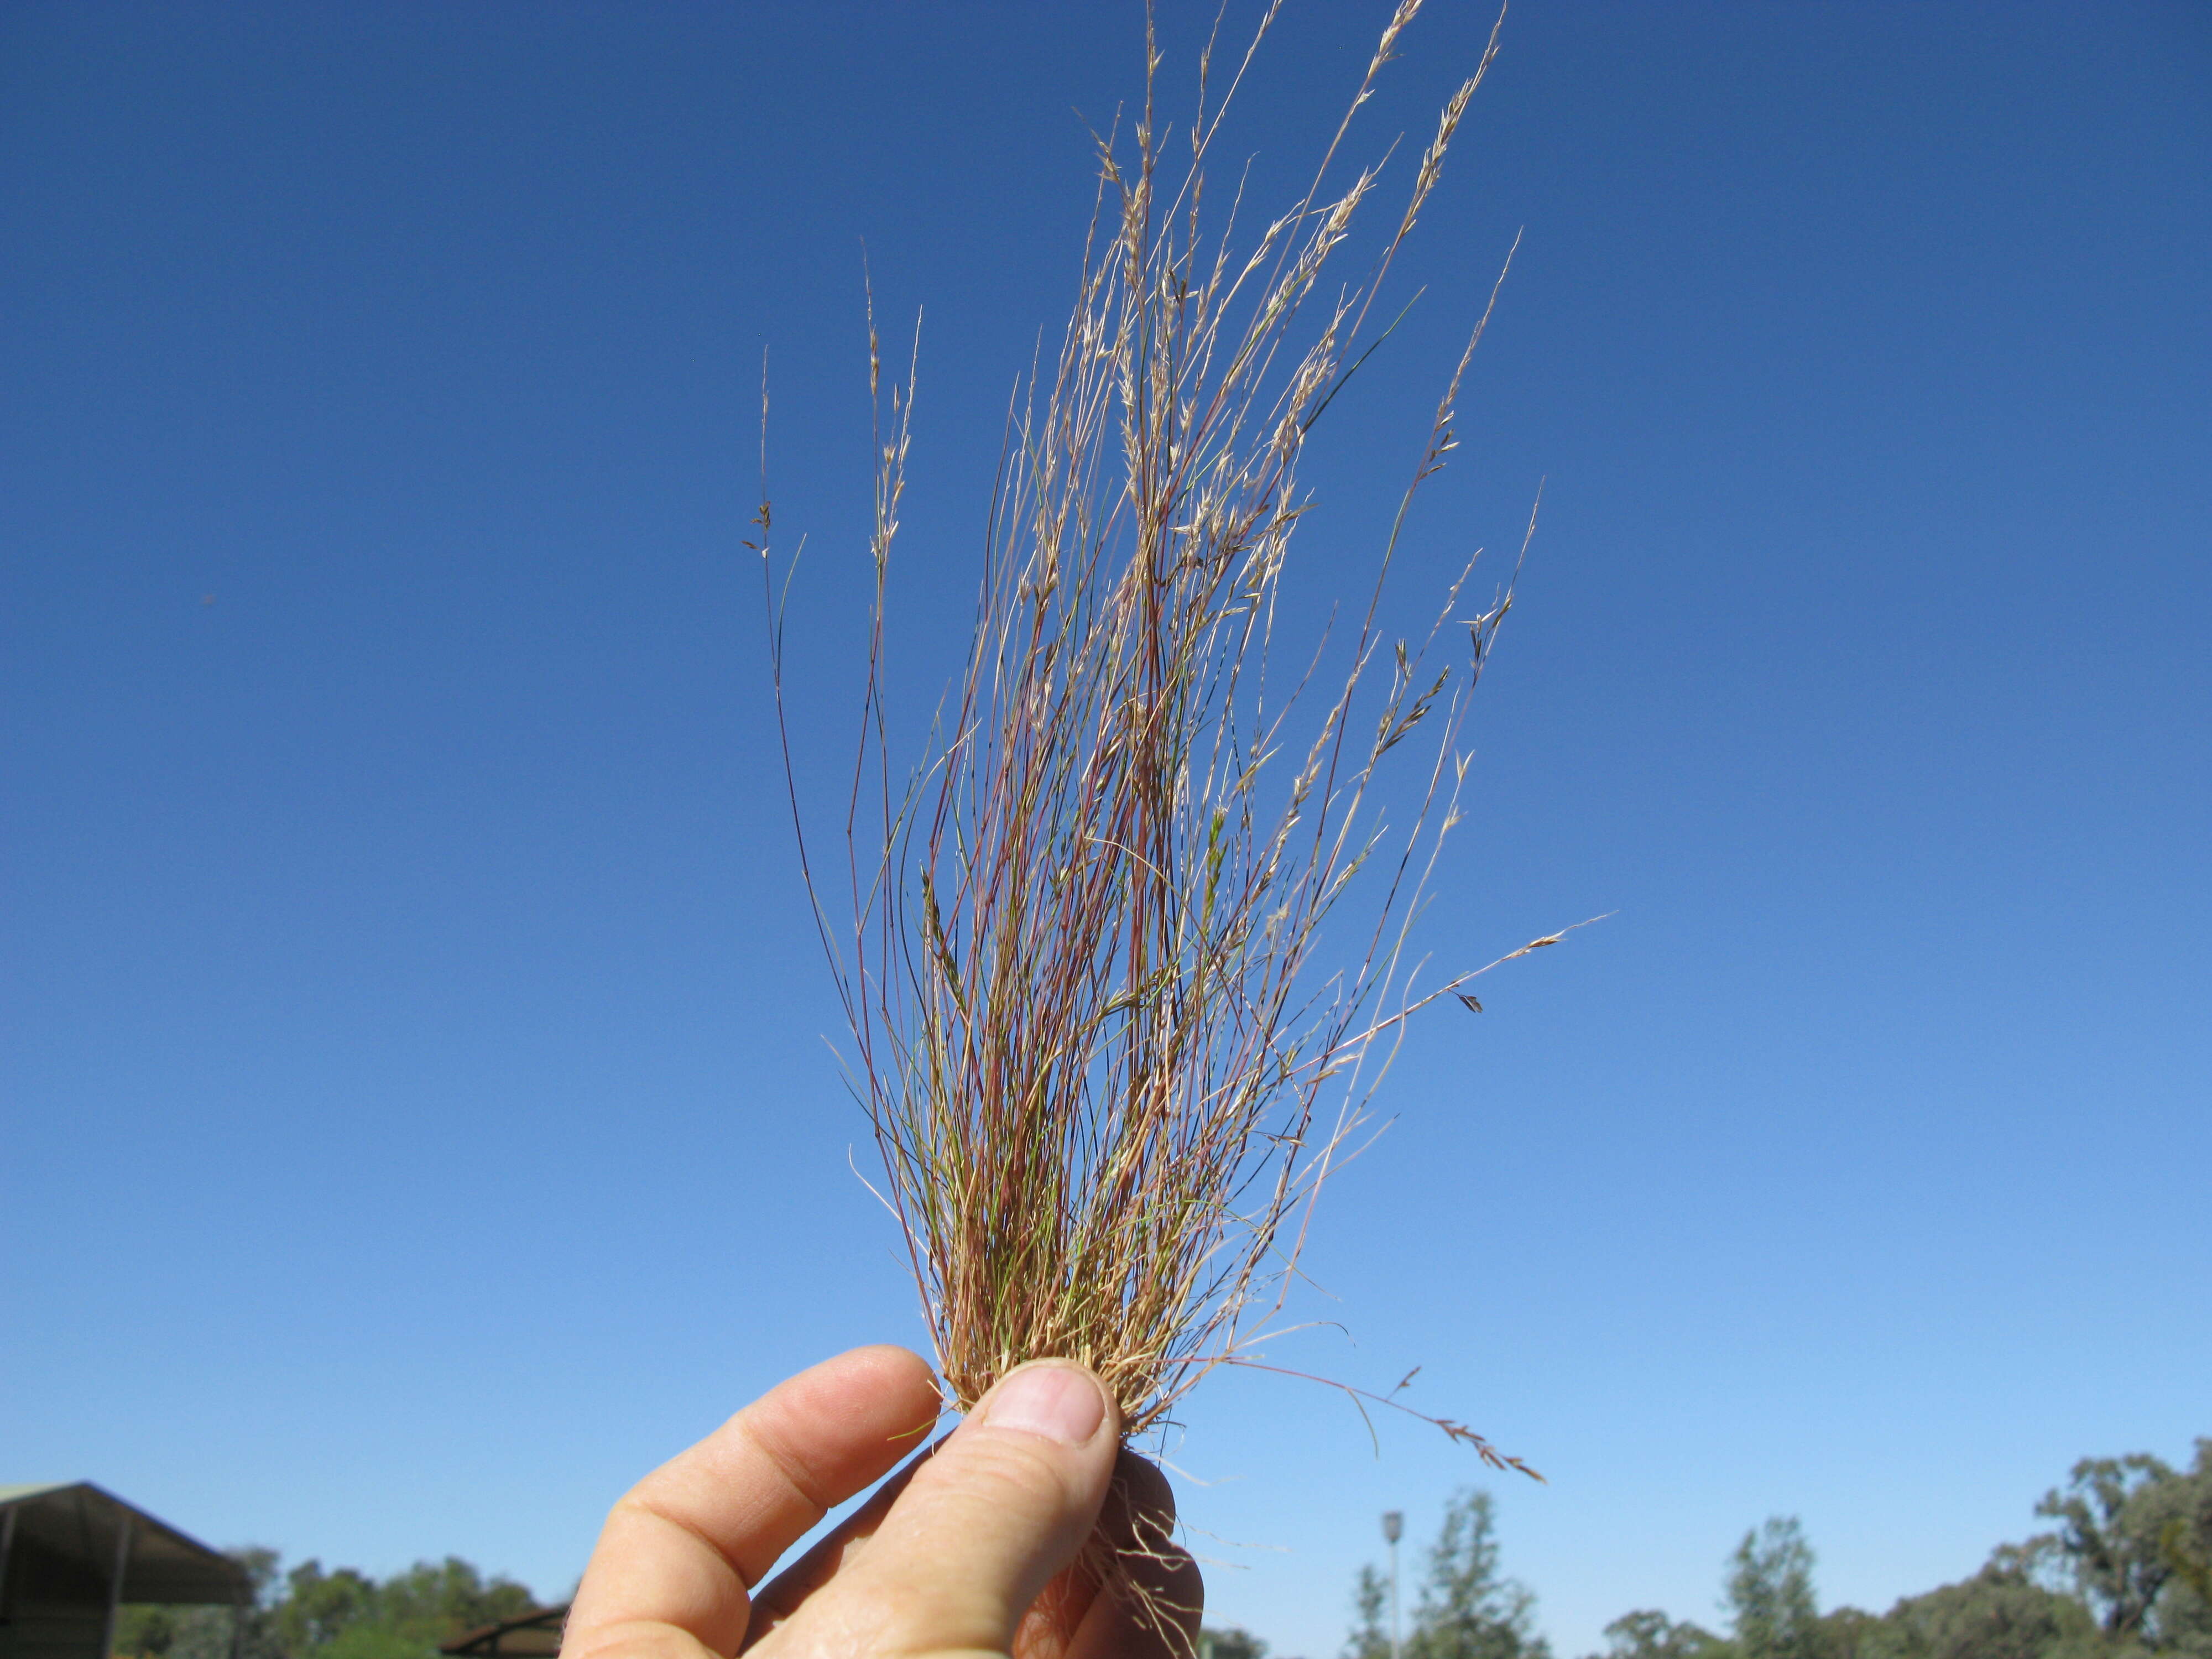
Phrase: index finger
pixel 683 1548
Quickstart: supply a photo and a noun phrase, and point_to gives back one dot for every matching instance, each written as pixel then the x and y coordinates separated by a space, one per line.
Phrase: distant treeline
pixel 2125 1573
pixel 309 1613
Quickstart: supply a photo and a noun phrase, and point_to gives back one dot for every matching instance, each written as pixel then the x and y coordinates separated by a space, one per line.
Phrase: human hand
pixel 977 1548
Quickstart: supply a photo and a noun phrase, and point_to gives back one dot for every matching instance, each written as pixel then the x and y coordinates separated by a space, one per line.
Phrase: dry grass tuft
pixel 1079 947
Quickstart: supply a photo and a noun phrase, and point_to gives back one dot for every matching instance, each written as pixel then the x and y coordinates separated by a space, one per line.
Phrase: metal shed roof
pixel 533 1635
pixel 78 1525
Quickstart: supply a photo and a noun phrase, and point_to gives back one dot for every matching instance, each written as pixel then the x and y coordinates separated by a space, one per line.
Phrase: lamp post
pixel 1394 1525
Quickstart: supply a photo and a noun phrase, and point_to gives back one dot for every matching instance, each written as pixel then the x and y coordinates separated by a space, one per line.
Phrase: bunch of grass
pixel 1080 945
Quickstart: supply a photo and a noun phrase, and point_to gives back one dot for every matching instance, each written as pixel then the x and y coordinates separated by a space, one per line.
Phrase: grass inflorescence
pixel 1108 1061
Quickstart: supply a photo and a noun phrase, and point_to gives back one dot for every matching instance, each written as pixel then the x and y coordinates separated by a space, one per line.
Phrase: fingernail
pixel 1057 1401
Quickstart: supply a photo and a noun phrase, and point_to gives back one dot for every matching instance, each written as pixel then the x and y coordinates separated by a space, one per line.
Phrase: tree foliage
pixel 1232 1642
pixel 2000 1612
pixel 2134 1539
pixel 1467 1609
pixel 312 1614
pixel 1773 1610
pixel 200 1632
pixel 1370 1626
pixel 2126 1574
pixel 2111 1514
pixel 1648 1634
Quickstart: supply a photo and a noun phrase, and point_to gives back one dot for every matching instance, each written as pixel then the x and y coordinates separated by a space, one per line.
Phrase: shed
pixel 534 1635
pixel 70 1554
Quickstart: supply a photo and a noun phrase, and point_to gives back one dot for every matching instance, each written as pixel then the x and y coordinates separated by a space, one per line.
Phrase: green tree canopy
pixel 2000 1612
pixel 312 1614
pixel 1647 1634
pixel 2127 1574
pixel 2134 1540
pixel 1467 1609
pixel 203 1632
pixel 1773 1613
pixel 1232 1642
pixel 1370 1607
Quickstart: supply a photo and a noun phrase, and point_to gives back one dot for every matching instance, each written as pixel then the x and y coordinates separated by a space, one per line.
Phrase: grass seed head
pixel 1080 945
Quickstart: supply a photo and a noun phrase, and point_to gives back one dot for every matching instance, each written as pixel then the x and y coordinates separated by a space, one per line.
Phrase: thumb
pixel 1001 1506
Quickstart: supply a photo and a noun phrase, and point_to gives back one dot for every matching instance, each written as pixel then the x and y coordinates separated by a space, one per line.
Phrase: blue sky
pixel 414 1122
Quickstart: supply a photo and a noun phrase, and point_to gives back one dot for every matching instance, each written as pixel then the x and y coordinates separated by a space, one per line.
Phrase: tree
pixel 2000 1612
pixel 152 1631
pixel 1846 1634
pixel 1232 1643
pixel 146 1632
pixel 2115 1515
pixel 2182 1620
pixel 2127 1574
pixel 1648 1634
pixel 433 1602
pixel 1769 1594
pixel 1467 1610
pixel 312 1614
pixel 1370 1604
pixel 318 1606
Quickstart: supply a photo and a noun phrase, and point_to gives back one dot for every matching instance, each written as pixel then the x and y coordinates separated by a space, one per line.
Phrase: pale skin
pixel 976 1548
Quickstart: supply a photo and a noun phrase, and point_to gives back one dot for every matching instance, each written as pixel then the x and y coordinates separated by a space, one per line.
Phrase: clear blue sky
pixel 415 1123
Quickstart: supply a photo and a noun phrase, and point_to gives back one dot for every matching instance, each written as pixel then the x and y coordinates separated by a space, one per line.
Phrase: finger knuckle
pixel 1016 1472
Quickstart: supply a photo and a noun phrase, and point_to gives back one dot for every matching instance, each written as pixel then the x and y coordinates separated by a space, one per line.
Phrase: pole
pixel 115 1585
pixel 1395 1644
pixel 7 1550
pixel 1394 1523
